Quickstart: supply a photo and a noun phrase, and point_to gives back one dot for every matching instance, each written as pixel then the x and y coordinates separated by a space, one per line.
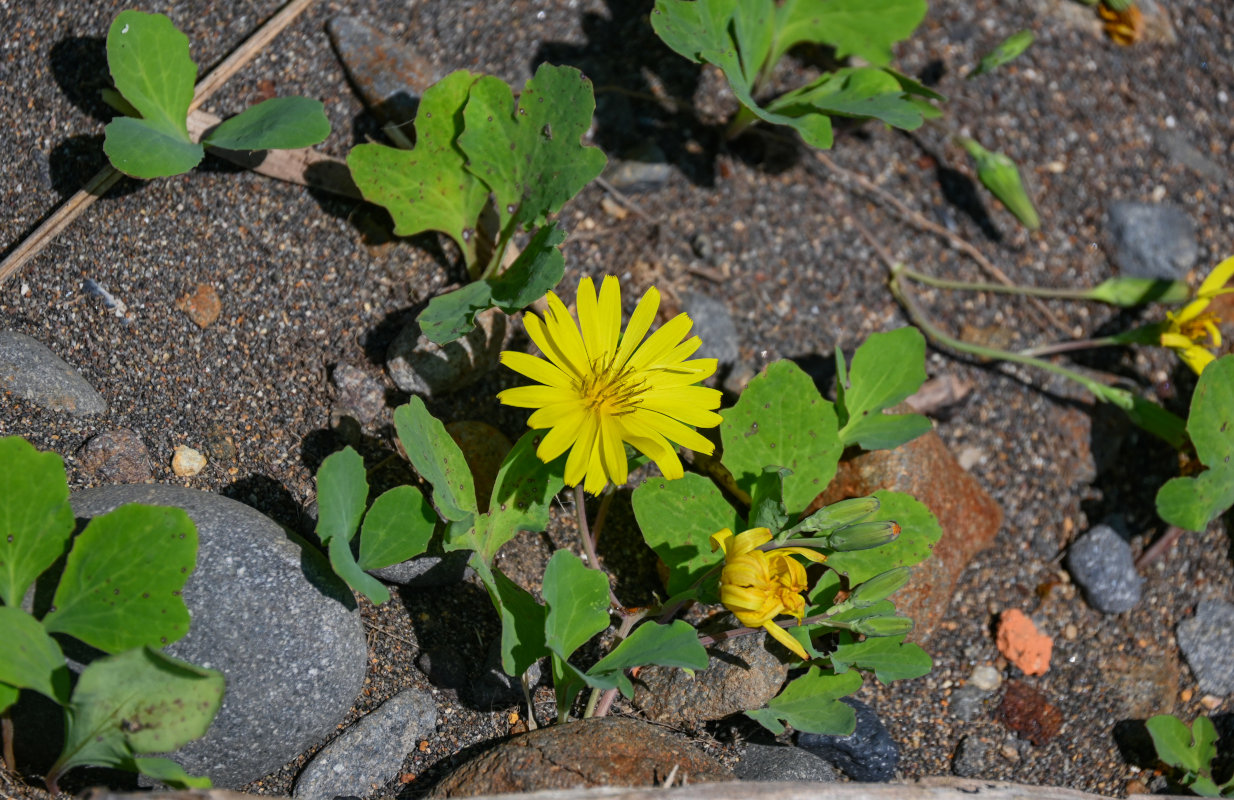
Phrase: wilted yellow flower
pixel 758 586
pixel 603 388
pixel 1187 331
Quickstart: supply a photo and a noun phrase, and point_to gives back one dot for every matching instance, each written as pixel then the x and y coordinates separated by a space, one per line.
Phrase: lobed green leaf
pixel 36 521
pixel 522 620
pixel 886 368
pixel 891 658
pixel 811 703
pixel 577 599
pixel 122 580
pixel 1193 503
pixel 674 645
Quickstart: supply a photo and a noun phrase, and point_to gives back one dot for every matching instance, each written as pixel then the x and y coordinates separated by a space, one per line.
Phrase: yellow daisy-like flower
pixel 1187 331
pixel 602 388
pixel 758 586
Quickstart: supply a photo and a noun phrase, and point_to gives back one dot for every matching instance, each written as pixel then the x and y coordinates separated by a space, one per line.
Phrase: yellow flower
pixel 1186 332
pixel 603 389
pixel 758 586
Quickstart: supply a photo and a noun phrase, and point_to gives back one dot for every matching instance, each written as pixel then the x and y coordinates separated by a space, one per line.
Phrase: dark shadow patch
pixel 79 66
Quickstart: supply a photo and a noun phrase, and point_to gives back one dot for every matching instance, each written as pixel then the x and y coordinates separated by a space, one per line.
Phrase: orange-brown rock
pixel 605 751
pixel 969 517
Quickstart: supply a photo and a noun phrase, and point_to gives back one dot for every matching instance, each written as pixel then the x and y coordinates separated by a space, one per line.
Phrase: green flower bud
pixel 864 535
pixel 837 515
pixel 999 174
pixel 881 626
pixel 880 587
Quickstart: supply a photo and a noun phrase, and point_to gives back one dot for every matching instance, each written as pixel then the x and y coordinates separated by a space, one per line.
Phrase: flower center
pixel 1200 327
pixel 609 391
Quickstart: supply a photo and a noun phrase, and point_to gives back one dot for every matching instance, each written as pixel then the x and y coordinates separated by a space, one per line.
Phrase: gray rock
pixel 776 762
pixel 868 754
pixel 1173 145
pixel 418 366
pixel 427 571
pixel 970 756
pixel 370 752
pixel 967 702
pixel 267 611
pixel 640 170
pixel 1101 564
pixel 118 456
pixel 31 371
pixel 1152 240
pixel 741 673
pixel 1207 642
pixel 495 688
pixel 359 395
pixel 713 324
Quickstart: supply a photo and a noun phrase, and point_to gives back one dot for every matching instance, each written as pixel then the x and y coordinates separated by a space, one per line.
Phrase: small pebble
pixel 202 306
pixel 187 462
pixel 1101 563
pixel 1009 752
pixel 1207 642
pixel 967 703
pixel 1070 632
pixel 1211 702
pixel 985 677
pixel 970 756
pixel 1020 641
pixel 118 456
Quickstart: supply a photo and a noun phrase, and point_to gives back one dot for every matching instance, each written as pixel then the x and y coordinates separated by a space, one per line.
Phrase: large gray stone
pixel 777 762
pixel 31 371
pixel 369 753
pixel 1207 642
pixel 1100 561
pixel 1152 240
pixel 270 614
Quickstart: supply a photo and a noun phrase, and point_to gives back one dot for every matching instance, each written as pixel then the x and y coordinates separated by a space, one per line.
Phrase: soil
pixel 306 283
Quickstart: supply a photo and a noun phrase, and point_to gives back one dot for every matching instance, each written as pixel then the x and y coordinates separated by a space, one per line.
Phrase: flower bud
pixel 881 626
pixel 880 587
pixel 864 535
pixel 836 515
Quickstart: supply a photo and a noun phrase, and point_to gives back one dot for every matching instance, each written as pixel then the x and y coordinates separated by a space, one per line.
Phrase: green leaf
pixel 169 772
pixel 140 701
pixel 811 703
pixel 32 659
pixel 919 531
pixel 677 519
pixel 887 368
pixel 1129 292
pixel 864 28
pixel 150 64
pixel 577 601
pixel 343 561
pixel 766 503
pixel 891 658
pixel 281 123
pixel 36 521
pixel 1008 50
pixel 781 420
pixel 530 156
pixel 538 268
pixel 1193 503
pixel 397 527
pixel 568 681
pixel 342 493
pixel 428 188
pixel 522 620
pixel 861 93
pixel 8 696
pixel 1175 745
pixel 1001 176
pixel 139 150
pixel 674 645
pixel 522 494
pixel 122 579
pixel 438 460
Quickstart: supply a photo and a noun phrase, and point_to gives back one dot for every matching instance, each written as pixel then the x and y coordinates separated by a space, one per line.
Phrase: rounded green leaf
pixel 397 527
pixel 122 580
pixel 438 460
pixel 150 63
pixel 281 123
pixel 140 150
pixel 577 600
pixel 1193 503
pixel 35 518
pixel 677 519
pixel 32 659
pixel 342 494
pixel 886 368
pixel 140 701
pixel 781 420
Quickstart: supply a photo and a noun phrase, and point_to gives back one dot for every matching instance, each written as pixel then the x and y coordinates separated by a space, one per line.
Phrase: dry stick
pixel 956 240
pixel 1159 548
pixel 72 208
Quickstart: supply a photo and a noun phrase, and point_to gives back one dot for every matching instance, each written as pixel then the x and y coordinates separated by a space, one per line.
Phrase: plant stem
pixel 1030 291
pixel 6 734
pixel 1072 346
pixel 1160 547
pixel 605 703
pixel 589 545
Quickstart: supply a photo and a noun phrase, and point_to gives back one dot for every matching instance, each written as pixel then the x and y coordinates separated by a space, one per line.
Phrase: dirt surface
pixel 759 224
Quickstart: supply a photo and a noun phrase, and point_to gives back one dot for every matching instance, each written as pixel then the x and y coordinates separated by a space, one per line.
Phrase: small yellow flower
pixel 602 388
pixel 1187 331
pixel 758 586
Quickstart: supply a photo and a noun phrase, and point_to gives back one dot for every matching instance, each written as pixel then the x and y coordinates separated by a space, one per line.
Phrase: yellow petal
pixel 539 334
pixel 566 414
pixel 672 430
pixel 536 368
pixel 684 373
pixel 661 342
pixel 560 437
pixel 563 334
pixel 1190 311
pixel 536 396
pixel 612 452
pixel 584 447
pixel 783 637
pixel 752 539
pixel 682 405
pixel 588 319
pixel 1217 279
pixel 640 322
pixel 610 314
pixel 662 454
pixel 1177 341
pixel 1197 358
pixel 719 540
pixel 597 478
pixel 807 552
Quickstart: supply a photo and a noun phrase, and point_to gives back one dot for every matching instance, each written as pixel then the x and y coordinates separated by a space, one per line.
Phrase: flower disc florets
pixel 603 389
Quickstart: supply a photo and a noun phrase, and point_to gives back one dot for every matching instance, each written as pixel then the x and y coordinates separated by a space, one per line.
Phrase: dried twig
pixel 72 208
pixel 957 241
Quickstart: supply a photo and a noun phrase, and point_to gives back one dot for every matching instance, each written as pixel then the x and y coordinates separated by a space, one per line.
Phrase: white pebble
pixel 187 462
